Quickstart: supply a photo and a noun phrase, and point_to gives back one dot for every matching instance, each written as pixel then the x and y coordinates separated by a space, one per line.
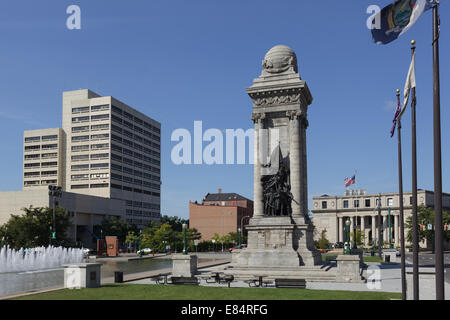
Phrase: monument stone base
pixel 82 275
pixel 184 265
pixel 348 268
pixel 278 242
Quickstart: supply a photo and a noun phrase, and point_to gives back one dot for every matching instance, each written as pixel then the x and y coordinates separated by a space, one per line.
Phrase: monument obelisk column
pixel 294 163
pixel 258 209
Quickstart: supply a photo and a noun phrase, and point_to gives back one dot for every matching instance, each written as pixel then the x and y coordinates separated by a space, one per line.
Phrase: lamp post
pixel 354 234
pixel 214 247
pixel 55 192
pixel 347 236
pixel 184 238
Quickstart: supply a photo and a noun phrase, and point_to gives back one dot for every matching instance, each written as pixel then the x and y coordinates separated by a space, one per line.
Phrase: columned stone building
pixel 331 212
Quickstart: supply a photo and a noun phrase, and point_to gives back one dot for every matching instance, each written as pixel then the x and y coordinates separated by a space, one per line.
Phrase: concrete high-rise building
pixel 43 162
pixel 106 157
pixel 112 151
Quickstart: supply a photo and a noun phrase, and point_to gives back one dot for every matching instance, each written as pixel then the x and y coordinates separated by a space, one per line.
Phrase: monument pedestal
pixel 82 275
pixel 275 242
pixel 184 265
pixel 348 268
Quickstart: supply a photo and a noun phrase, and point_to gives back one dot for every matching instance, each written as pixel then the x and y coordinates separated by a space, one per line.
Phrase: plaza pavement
pixel 390 275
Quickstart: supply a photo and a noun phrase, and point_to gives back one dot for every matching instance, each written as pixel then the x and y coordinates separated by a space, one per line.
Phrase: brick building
pixel 219 213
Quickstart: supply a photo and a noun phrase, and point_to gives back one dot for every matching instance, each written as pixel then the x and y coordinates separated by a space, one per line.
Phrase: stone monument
pixel 280 234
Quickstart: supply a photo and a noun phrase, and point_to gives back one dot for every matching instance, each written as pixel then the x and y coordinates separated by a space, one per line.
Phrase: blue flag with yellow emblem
pixel 397 18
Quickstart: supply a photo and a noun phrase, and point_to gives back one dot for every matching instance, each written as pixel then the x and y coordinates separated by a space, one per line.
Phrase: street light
pixel 214 247
pixel 55 192
pixel 347 233
pixel 184 238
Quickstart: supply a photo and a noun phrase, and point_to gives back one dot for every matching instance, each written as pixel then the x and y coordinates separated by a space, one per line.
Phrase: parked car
pixel 237 247
pixel 144 251
pixel 339 245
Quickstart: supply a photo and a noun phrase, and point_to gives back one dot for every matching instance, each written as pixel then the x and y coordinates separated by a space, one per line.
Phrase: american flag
pixel 350 181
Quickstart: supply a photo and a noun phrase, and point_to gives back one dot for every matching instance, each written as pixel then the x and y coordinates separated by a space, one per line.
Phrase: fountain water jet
pixel 39 258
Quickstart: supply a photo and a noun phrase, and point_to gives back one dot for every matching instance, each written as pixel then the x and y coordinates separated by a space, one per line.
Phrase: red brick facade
pixel 219 213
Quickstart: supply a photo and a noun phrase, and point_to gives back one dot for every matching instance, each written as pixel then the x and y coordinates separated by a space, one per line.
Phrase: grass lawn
pixel 185 292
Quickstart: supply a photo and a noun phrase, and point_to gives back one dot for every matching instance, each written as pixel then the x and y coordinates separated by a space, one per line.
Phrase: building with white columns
pixel 331 212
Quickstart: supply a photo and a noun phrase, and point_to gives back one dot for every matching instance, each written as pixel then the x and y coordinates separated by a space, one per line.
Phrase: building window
pixel 367 203
pixel 49 164
pixel 99 146
pixel 80 129
pixel 101 107
pixel 345 204
pixel 390 202
pixel 100 136
pixel 99 117
pixel 48 173
pixel 80 167
pixel 99 185
pixel 80 157
pixel 32 139
pixel 100 127
pixel 49 155
pixel 99 156
pixel 48 138
pixel 99 175
pixel 32 156
pixel 356 203
pixel 79 186
pixel 99 166
pixel 80 119
pixel 80 138
pixel 49 146
pixel 75 177
pixel 80 148
pixel 80 109
pixel 324 204
pixel 32 148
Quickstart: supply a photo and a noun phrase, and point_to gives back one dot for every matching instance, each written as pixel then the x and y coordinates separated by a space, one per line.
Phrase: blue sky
pixel 180 61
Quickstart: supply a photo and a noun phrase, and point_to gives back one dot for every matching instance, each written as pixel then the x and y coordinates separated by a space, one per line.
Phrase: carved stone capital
pixel 294 114
pixel 258 117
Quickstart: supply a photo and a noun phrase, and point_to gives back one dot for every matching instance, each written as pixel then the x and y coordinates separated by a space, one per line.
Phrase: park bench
pixel 159 279
pixel 290 283
pixel 185 280
pixel 256 282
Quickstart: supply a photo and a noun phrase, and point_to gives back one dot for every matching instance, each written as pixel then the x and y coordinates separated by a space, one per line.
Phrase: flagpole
pixel 415 231
pixel 438 233
pixel 400 191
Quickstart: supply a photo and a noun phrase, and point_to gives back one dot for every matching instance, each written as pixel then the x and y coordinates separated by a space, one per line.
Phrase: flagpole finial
pixel 398 91
pixel 413 42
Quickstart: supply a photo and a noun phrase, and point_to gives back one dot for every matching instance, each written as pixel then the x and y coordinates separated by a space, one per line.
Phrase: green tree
pixel 157 238
pixel 323 242
pixel 359 237
pixel 114 226
pixel 33 228
pixel 175 222
pixel 425 216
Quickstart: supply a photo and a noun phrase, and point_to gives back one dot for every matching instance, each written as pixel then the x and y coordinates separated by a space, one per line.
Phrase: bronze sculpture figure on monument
pixel 277 192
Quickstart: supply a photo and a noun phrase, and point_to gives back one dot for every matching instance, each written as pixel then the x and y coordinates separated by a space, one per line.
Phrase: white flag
pixel 410 83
